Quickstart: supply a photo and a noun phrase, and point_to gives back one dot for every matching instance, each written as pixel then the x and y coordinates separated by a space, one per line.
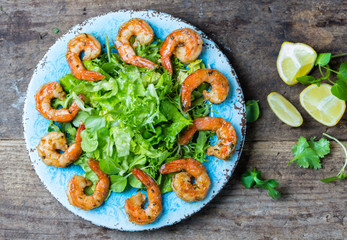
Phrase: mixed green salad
pixel 133 117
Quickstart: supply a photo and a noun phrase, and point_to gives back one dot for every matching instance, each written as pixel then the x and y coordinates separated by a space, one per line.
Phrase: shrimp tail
pixel 78 138
pixel 174 166
pixel 143 177
pixel 166 62
pixel 188 134
pixel 91 76
pixel 101 188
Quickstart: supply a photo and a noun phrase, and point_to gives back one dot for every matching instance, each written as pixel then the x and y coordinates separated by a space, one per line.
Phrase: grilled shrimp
pixel 53 141
pixel 144 35
pixel 44 97
pixel 77 184
pixel 92 49
pixel 185 44
pixel 134 205
pixel 219 86
pixel 225 132
pixel 182 182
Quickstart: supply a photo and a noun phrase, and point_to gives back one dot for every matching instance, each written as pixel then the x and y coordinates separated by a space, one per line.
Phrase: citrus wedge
pixel 295 60
pixel 322 105
pixel 284 110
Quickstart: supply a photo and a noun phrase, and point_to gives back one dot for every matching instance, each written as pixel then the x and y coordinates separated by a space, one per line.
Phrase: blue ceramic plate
pixel 112 214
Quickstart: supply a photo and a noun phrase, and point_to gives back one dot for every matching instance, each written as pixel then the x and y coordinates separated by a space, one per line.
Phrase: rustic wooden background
pixel 250 33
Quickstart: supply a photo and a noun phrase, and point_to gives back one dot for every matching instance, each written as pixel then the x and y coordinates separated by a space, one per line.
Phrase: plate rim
pixel 204 35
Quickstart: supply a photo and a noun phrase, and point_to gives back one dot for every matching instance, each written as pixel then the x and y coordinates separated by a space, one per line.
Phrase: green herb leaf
pixel 274 193
pixel 247 179
pixel 89 141
pixel 341 174
pixel 323 59
pixel 68 82
pixel 321 148
pixel 339 90
pixel 56 30
pixel 118 183
pixel 252 110
pixel 80 103
pixel 80 117
pixel 138 160
pixel 179 122
pixel 122 139
pixel 70 132
pixel 94 123
pixel 329 179
pixel 165 186
pixel 307 80
pixel 253 179
pixel 53 127
pixel 134 182
pixel 109 166
pixel 342 75
pixel 109 67
pixel 308 154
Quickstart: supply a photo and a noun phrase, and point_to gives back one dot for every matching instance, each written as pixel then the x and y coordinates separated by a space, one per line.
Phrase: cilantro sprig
pixel 341 175
pixel 339 88
pixel 307 154
pixel 253 179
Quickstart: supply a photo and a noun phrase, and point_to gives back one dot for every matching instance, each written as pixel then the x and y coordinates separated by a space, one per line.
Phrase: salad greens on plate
pixel 133 117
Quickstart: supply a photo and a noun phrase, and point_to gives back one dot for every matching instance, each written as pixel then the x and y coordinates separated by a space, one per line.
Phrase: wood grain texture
pixel 309 209
pixel 250 33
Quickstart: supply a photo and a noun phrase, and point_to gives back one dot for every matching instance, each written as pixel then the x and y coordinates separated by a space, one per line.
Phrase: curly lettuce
pixel 133 117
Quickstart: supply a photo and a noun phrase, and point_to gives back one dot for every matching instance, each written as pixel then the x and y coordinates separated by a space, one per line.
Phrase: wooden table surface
pixel 250 33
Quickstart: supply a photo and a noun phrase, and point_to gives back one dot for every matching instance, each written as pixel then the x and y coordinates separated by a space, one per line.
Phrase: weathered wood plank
pixel 249 32
pixel 308 209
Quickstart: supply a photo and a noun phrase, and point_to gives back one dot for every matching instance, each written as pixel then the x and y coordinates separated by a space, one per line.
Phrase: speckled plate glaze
pixel 111 214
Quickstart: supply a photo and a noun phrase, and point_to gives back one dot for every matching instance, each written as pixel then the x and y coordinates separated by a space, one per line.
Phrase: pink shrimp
pixel 225 132
pixel 134 205
pixel 43 98
pixel 182 182
pixel 219 86
pixel 77 184
pixel 185 44
pixel 53 141
pixel 144 35
pixel 92 49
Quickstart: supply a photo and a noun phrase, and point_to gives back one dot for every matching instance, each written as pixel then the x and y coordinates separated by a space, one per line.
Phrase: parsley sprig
pixel 253 179
pixel 339 88
pixel 341 175
pixel 307 154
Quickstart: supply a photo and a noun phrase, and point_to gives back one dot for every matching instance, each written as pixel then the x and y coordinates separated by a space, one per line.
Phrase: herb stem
pixel 344 149
pixel 296 158
pixel 332 82
pixel 330 70
pixel 339 55
pixel 108 48
pixel 320 70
